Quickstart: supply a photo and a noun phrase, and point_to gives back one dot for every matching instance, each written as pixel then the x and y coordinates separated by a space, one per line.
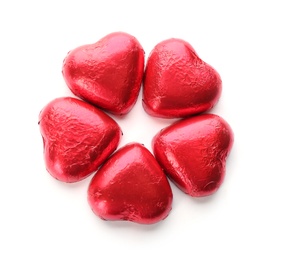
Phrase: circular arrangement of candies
pixel 131 183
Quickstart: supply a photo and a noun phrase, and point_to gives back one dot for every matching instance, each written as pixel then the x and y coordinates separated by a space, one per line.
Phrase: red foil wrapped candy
pixel 77 138
pixel 131 186
pixel 107 73
pixel 177 83
pixel 193 153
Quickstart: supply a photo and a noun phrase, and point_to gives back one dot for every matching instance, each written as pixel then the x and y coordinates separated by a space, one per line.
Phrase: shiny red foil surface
pixel 131 186
pixel 77 138
pixel 193 153
pixel 177 83
pixel 108 73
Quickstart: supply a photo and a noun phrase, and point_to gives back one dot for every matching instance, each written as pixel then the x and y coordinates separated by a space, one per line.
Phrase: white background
pixel 42 218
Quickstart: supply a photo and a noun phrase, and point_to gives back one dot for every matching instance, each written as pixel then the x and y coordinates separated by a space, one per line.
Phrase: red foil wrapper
pixel 193 153
pixel 177 83
pixel 108 73
pixel 131 186
pixel 77 138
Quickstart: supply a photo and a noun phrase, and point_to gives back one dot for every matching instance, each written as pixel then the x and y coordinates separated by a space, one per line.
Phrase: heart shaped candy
pixel 108 73
pixel 193 153
pixel 131 186
pixel 177 83
pixel 77 138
